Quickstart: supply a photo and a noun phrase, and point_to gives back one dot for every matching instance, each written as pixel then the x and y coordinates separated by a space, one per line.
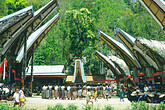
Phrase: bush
pixel 72 107
pixel 57 107
pixel 161 106
pixel 6 106
pixel 108 107
pixel 87 107
pixel 142 105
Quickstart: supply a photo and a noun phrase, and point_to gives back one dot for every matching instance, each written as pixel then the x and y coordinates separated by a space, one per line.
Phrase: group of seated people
pixel 145 93
pixel 74 92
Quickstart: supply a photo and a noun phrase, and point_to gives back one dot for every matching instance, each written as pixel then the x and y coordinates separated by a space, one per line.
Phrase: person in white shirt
pixel 146 89
pixel 16 97
pixel 21 97
pixel 44 91
pixel 69 93
pixel 104 90
pixel 63 94
pixel 50 91
pixel 56 92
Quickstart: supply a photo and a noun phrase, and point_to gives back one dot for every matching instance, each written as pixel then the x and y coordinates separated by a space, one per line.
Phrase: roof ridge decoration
pixel 79 75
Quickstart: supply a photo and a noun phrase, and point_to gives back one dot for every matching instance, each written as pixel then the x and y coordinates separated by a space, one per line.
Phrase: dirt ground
pixel 37 103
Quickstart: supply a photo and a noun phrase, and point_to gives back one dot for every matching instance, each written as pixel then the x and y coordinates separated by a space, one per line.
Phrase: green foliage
pixel 56 107
pixel 6 106
pixel 3 10
pixel 80 27
pixel 161 106
pixel 87 107
pixel 142 105
pixel 108 107
pixel 72 107
pixel 15 5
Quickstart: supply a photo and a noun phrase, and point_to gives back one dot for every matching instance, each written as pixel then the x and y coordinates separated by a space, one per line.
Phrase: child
pixel 16 97
pixel 107 94
pixel 88 98
pixel 22 97
pixel 95 95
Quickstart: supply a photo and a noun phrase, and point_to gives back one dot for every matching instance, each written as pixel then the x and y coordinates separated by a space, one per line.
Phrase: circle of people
pixel 77 92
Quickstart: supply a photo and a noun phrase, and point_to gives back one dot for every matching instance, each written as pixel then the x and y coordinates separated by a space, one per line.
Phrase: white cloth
pixel 104 88
pixel 44 88
pixel 88 87
pixel 50 87
pixel 21 93
pixel 56 88
pixel 146 89
pixel 68 88
pixel 63 88
pixel 16 96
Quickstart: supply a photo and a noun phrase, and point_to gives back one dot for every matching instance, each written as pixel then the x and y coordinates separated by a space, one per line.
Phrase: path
pixel 41 104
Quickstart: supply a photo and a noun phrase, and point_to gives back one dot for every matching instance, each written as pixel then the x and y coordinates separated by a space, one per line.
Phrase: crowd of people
pixel 77 92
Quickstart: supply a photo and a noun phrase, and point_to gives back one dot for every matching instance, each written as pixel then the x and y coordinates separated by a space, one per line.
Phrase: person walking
pixel 107 94
pixel 74 92
pixel 62 92
pixel 50 92
pixel 104 89
pixel 79 92
pixel 21 97
pixel 56 92
pixel 59 92
pixel 122 92
pixel 69 93
pixel 109 91
pixel 95 95
pixel 98 91
pixel 88 97
pixel 53 91
pixel 47 92
pixel 66 93
pixel 44 91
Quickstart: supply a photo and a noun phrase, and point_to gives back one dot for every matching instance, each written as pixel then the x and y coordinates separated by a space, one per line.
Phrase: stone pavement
pixel 36 102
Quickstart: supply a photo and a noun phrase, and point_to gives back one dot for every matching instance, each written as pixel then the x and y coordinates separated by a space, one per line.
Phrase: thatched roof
pixel 153 50
pixel 109 63
pixel 124 53
pixel 9 20
pixel 158 47
pixel 129 42
pixel 121 64
pixel 36 37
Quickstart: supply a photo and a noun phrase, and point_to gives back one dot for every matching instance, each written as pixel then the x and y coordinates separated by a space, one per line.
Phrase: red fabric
pixel 13 71
pixel 163 79
pixel 141 74
pixel 2 66
pixel 149 79
pixel 94 81
pixel 128 77
pixel 121 79
pixel 157 73
pixel 136 80
pixel 17 78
